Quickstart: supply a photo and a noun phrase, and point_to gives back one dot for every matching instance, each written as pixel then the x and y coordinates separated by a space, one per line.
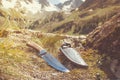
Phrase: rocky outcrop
pixel 69 5
pixel 44 3
pixel 106 39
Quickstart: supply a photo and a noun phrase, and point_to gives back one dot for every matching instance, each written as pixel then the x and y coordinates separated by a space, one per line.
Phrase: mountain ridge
pixel 80 21
pixel 40 5
pixel 69 5
pixel 100 50
pixel 32 6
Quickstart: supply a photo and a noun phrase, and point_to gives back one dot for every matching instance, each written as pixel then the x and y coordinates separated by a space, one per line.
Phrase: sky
pixel 58 1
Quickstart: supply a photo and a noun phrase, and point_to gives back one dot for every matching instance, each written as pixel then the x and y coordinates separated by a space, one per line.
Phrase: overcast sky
pixel 58 1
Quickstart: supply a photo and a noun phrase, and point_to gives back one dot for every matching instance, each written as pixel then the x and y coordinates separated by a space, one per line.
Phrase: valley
pixel 92 27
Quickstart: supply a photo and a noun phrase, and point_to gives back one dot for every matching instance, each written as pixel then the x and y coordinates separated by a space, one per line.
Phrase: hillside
pixel 69 5
pixel 12 19
pixel 93 30
pixel 93 4
pixel 20 62
pixel 106 40
pixel 80 21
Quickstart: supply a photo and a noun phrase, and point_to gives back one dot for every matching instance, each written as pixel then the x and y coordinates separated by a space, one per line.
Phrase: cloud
pixel 54 1
pixel 58 1
pixel 62 1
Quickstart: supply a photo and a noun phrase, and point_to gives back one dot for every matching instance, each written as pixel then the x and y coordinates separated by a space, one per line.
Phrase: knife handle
pixel 35 46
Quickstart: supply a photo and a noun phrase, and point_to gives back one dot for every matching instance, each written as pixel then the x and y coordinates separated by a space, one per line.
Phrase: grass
pixel 9 25
pixel 10 57
pixel 84 21
pixel 15 57
pixel 19 61
pixel 9 51
pixel 51 43
pixel 92 58
pixel 71 31
pixel 104 12
pixel 11 19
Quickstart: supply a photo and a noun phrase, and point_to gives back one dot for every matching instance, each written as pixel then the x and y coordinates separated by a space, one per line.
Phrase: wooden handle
pixel 34 45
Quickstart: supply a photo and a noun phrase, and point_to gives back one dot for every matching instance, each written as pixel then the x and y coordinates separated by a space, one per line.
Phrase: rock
pixel 115 68
pixel 54 74
pixel 98 76
pixel 82 37
pixel 106 38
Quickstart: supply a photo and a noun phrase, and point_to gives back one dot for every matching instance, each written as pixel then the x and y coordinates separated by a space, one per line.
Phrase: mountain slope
pixel 69 5
pixel 21 62
pixel 93 4
pixel 21 13
pixel 106 40
pixel 109 32
pixel 28 6
pixel 44 3
pixel 80 21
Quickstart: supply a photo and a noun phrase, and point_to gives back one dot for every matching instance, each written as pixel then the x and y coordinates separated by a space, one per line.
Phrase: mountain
pixel 69 5
pixel 29 11
pixel 90 15
pixel 35 6
pixel 92 4
pixel 28 6
pixel 44 3
pixel 98 23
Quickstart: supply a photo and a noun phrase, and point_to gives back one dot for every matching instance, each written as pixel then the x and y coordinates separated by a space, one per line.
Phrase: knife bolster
pixel 42 52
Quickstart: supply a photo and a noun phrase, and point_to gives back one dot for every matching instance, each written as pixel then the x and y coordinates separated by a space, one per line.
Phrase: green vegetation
pixel 79 22
pixel 92 58
pixel 10 57
pixel 11 19
pixel 21 62
pixel 50 42
pixel 18 61
pixel 86 21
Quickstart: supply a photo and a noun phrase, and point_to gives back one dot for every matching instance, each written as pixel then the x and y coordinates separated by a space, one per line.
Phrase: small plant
pixel 3 33
pixel 51 43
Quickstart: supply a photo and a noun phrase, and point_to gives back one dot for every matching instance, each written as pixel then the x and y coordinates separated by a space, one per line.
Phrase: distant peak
pixel 69 5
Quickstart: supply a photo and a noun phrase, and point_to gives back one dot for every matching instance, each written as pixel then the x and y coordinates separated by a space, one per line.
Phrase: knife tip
pixel 67 71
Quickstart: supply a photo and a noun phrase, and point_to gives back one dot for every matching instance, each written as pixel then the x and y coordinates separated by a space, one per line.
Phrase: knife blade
pixel 52 61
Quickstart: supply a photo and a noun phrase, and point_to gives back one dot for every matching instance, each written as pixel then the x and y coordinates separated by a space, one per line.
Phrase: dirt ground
pixel 27 65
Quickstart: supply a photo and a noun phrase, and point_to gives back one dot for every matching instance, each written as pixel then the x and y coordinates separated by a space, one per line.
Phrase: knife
pixel 52 61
